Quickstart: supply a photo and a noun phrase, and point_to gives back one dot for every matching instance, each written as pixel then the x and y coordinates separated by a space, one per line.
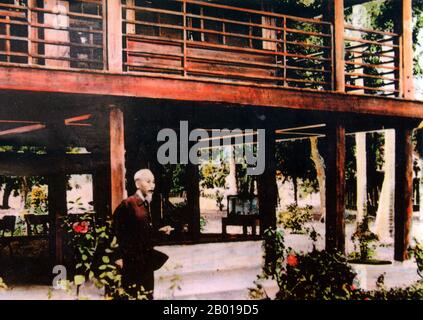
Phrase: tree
pixel 293 160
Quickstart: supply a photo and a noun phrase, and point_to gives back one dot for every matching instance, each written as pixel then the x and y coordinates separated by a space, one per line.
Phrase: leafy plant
pixel 317 275
pixel 93 250
pixel 365 239
pixel 3 285
pixel 295 218
pixel 219 200
pixel 417 252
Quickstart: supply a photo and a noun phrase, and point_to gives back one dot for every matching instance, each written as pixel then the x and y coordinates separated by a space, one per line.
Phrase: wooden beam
pixel 334 12
pixel 75 121
pixel 117 156
pixel 114 36
pixel 106 85
pixel 403 191
pixel 23 129
pixel 404 27
pixel 335 187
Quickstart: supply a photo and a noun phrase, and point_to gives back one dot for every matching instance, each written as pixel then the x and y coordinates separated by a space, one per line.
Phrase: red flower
pixel 80 227
pixel 292 260
pixel 366 298
pixel 353 287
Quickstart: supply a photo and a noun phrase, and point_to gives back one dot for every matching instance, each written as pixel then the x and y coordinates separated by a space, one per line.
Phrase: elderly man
pixel 134 231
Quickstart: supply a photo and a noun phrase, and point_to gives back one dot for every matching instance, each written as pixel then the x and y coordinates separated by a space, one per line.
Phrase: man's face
pixel 146 185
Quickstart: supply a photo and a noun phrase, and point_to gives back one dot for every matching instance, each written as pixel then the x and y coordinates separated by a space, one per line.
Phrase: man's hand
pixel 166 229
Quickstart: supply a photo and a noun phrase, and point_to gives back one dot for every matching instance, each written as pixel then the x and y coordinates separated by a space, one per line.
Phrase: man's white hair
pixel 142 174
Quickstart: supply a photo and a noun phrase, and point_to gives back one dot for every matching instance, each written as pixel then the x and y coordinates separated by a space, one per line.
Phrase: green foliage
pixel 3 285
pixel 219 200
pixel 93 248
pixel 382 16
pixel 417 253
pixel 203 223
pixel 293 161
pixel 365 240
pixel 318 275
pixel 295 218
pixel 213 175
pixel 37 199
pixel 174 178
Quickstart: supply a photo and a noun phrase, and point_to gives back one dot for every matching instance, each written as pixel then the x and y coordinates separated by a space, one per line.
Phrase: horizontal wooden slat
pixel 365 30
pixel 363 75
pixel 370 88
pixel 380 42
pixel 14 14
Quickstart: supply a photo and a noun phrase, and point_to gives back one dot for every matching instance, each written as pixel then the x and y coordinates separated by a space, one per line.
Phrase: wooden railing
pixel 197 40
pixel 372 62
pixel 219 42
pixel 65 34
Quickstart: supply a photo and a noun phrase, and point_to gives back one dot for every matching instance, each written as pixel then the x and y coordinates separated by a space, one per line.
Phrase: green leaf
pixel 79 279
pixel 106 259
pixel 102 267
pixel 84 257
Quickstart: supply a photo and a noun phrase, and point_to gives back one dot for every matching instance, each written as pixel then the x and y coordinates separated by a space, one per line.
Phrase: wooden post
pixel 57 185
pixel 403 191
pixel 58 21
pixel 57 207
pixel 333 12
pixel 335 187
pixel 266 184
pixel 32 32
pixel 117 156
pixel 193 199
pixel 114 36
pixel 404 28
pixel 267 192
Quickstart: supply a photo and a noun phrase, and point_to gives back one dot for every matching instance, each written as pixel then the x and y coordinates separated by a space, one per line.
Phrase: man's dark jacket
pixel 134 231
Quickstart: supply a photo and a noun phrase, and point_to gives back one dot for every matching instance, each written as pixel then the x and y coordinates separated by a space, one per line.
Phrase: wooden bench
pixel 241 220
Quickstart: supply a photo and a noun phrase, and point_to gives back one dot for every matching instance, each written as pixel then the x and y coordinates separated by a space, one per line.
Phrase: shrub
pixel 365 239
pixel 295 217
pixel 3 285
pixel 318 275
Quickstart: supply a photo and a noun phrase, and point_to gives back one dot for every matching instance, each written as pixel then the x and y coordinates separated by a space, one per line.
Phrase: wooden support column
pixel 333 11
pixel 335 187
pixel 266 184
pixel 404 27
pixel 267 192
pixel 57 207
pixel 193 199
pixel 57 185
pixel 114 36
pixel 117 156
pixel 403 191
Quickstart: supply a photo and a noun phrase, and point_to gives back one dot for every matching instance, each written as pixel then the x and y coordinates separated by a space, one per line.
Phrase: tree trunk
pixel 6 195
pixel 360 139
pixel 231 183
pixel 295 183
pixel 385 210
pixel 319 164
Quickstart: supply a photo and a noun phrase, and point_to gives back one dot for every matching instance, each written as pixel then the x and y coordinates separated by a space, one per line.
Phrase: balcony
pixel 198 41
